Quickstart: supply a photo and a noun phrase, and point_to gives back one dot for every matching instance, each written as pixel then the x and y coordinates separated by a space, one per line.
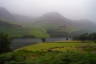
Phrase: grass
pixel 53 53
pixel 60 46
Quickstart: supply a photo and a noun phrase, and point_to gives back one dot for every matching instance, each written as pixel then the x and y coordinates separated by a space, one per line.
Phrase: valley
pixel 50 38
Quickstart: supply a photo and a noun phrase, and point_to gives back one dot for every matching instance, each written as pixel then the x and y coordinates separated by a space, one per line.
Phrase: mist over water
pixel 72 9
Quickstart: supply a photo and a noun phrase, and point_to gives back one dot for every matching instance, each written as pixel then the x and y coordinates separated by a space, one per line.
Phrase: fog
pixel 73 9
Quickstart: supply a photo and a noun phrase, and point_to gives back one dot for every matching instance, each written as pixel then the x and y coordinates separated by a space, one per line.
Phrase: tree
pixel 86 36
pixel 43 39
pixel 92 36
pixel 4 43
pixel 83 37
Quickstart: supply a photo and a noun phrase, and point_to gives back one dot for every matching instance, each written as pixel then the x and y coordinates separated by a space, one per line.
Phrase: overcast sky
pixel 73 9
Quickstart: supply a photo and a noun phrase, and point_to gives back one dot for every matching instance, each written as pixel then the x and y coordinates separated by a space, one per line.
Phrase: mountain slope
pixel 13 18
pixel 17 25
pixel 13 30
pixel 5 14
pixel 55 24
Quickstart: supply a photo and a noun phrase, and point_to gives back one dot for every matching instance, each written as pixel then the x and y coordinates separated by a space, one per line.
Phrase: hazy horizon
pixel 72 9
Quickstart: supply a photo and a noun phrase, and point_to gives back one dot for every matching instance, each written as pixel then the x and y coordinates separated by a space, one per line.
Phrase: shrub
pixel 4 43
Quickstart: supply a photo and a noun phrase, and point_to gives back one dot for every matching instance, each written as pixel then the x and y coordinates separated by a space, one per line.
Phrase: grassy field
pixel 60 46
pixel 73 52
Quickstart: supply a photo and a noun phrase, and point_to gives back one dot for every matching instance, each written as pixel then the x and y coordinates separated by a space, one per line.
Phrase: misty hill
pixel 84 26
pixel 13 18
pixel 55 24
pixel 17 25
pixel 54 18
pixel 23 20
pixel 5 14
pixel 51 19
pixel 52 23
pixel 13 30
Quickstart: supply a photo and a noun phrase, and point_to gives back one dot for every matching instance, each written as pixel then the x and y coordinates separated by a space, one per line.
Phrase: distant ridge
pixel 52 22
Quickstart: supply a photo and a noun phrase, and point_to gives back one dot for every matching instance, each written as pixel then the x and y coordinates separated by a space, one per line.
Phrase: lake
pixel 21 42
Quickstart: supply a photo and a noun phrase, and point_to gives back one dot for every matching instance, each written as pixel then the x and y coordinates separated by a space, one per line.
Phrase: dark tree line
pixel 4 43
pixel 86 36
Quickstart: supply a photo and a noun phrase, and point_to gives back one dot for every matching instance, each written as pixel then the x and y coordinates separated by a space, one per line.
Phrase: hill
pixel 57 25
pixel 17 25
pixel 84 26
pixel 14 18
pixel 52 23
pixel 13 30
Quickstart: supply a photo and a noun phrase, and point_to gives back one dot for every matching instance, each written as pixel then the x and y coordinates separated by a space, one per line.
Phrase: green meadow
pixel 71 52
pixel 58 46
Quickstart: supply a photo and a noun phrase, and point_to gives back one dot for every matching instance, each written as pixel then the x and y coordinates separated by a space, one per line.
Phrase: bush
pixel 68 57
pixel 86 36
pixel 4 43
